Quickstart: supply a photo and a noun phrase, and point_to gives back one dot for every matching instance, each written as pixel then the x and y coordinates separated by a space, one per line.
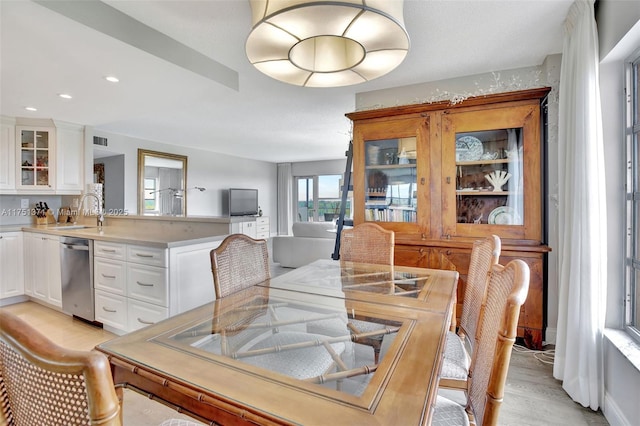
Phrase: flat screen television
pixel 243 202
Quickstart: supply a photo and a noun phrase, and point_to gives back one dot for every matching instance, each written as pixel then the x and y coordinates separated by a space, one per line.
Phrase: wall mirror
pixel 162 179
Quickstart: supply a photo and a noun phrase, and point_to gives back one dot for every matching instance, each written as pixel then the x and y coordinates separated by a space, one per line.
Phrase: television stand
pixel 253 226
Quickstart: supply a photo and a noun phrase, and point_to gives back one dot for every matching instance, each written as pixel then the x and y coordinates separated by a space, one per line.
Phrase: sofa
pixel 310 241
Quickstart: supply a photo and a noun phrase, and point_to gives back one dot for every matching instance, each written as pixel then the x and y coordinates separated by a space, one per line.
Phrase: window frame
pixel 632 196
pixel 313 213
pixel 150 194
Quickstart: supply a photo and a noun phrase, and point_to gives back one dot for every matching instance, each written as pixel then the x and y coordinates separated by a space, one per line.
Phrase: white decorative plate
pixel 504 215
pixel 468 148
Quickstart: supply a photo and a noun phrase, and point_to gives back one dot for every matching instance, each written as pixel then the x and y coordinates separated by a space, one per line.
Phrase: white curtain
pixel 285 195
pixel 582 217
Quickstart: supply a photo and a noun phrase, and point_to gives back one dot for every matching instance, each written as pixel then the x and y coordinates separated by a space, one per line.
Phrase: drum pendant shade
pixel 327 43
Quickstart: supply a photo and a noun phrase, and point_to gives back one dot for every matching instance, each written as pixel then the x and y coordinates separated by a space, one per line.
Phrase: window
pixel 632 264
pixel 318 198
pixel 150 194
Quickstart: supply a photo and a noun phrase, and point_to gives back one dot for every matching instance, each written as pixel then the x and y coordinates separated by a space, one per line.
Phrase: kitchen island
pixel 145 269
pixel 155 231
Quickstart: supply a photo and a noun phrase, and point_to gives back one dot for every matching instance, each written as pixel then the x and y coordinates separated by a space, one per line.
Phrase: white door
pixel 39 267
pixel 11 265
pixel 54 272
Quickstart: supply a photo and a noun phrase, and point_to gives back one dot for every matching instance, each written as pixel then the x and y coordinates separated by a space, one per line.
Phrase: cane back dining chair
pixel 239 262
pixel 459 346
pixel 367 243
pixel 497 327
pixel 42 383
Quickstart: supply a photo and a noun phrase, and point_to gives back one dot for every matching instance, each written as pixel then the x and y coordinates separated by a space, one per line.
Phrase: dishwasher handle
pixel 75 247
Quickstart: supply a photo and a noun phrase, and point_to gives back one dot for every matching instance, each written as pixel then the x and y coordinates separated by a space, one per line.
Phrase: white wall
pixel 325 167
pixel 11 212
pixel 113 182
pixel 619 36
pixel 453 89
pixel 213 171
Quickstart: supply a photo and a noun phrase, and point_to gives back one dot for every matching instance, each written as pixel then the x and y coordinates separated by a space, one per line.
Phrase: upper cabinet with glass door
pixel 36 154
pixel 491 172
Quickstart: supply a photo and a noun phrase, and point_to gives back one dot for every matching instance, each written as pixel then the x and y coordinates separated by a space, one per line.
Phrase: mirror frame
pixel 142 156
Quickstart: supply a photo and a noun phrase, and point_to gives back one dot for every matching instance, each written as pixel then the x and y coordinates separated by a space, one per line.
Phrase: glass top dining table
pixel 293 349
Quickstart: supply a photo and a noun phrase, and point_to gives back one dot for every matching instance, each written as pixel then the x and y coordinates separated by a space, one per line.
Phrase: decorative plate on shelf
pixel 468 148
pixel 504 215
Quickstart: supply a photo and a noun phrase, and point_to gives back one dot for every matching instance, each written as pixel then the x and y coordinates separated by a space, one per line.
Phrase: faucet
pixel 99 213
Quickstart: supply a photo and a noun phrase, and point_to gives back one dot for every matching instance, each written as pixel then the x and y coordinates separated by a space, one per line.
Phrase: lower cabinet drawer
pixel 153 256
pixel 262 227
pixel 263 232
pixel 111 309
pixel 109 275
pixel 110 250
pixel 147 283
pixel 142 314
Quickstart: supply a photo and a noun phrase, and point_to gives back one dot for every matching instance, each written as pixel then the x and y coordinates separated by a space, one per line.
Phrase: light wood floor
pixel 533 396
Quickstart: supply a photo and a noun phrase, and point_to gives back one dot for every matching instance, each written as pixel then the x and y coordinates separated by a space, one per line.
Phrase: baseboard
pixel 550 336
pixel 11 300
pixel 612 412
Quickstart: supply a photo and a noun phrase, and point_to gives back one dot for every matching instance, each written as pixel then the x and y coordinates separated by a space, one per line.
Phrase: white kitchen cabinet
pixel 7 155
pixel 69 158
pixel 11 265
pixel 54 270
pixel 35 158
pixel 131 288
pixel 28 251
pixel 41 157
pixel 138 285
pixel 190 276
pixel 43 276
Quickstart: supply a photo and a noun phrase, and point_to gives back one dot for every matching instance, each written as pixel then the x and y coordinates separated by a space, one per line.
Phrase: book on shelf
pixel 390 215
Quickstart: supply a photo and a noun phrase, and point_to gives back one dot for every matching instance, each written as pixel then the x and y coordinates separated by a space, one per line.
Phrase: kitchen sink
pixel 71 227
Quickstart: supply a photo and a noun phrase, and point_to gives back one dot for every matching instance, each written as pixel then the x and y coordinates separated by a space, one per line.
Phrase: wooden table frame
pixel 229 393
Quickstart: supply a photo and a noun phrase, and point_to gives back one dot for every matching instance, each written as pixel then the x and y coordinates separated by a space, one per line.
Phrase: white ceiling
pixel 44 53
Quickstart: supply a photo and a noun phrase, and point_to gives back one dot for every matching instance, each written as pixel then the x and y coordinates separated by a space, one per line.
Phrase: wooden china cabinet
pixel 442 176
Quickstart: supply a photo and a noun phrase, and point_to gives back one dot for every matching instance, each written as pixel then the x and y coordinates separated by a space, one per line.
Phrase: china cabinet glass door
pixel 493 156
pixel 489 177
pixel 34 157
pixel 390 186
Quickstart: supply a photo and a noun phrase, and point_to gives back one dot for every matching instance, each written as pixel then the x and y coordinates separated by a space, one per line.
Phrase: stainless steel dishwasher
pixel 76 257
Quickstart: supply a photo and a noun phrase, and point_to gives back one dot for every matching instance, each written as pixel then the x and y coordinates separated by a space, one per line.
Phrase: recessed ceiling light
pixel 112 79
pixel 65 95
pixel 32 109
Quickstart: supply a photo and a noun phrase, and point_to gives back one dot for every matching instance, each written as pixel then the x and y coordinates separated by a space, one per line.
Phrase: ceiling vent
pixel 97 140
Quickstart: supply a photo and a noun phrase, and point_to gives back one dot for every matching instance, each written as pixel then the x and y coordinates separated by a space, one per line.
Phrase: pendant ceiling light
pixel 327 43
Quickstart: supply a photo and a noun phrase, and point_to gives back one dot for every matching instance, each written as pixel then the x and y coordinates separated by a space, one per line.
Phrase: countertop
pixel 168 238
